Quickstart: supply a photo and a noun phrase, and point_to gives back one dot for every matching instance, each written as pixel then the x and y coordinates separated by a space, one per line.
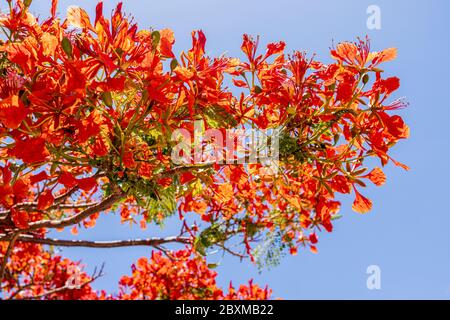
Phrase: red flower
pixel 344 92
pixel 68 180
pixel 187 177
pixel 100 148
pixel 128 160
pixel 275 48
pixel 45 200
pixel 12 112
pixel 87 184
pixel 387 86
pixel 165 182
pixel 20 218
pixel 31 150
pixel 41 176
pixel 313 238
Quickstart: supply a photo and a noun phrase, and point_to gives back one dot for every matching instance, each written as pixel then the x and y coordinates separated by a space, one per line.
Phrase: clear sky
pixel 406 234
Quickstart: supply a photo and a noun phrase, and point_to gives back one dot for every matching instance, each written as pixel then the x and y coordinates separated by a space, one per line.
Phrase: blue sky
pixel 406 234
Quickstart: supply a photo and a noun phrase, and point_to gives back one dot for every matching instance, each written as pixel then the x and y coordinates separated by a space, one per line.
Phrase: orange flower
pixel 377 176
pixel 78 17
pixel 361 203
pixel 166 43
pixel 49 44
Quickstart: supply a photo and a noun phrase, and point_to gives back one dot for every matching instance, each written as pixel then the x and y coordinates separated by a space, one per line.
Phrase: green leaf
pixel 269 253
pixel 167 200
pixel 67 47
pixel 210 236
pixel 251 229
pixel 53 168
pixel 173 64
pixel 107 98
pixel 156 37
pixel 218 117
pixel 197 187
pixel 199 247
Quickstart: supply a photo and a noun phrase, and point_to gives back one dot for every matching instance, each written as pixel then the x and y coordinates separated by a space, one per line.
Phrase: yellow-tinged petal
pixel 49 43
pixel 78 17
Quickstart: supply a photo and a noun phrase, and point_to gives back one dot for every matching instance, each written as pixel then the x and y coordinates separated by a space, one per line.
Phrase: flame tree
pixel 88 106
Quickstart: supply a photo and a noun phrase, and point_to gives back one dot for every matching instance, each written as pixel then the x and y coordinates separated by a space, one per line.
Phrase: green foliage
pixel 269 253
pixel 156 38
pixel 158 202
pixel 67 47
pixel 209 237
pixel 289 146
pixel 4 63
pixel 219 117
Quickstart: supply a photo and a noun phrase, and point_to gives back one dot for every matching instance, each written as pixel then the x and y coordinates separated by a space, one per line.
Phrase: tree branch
pixel 154 242
pixel 98 207
pixel 32 206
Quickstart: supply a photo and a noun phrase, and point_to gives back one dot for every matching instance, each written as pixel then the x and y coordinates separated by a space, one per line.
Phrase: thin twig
pixel 67 287
pixel 241 256
pixel 20 290
pixel 32 205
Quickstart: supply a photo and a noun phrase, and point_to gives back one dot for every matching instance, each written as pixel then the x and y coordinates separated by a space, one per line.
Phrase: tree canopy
pixel 88 108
